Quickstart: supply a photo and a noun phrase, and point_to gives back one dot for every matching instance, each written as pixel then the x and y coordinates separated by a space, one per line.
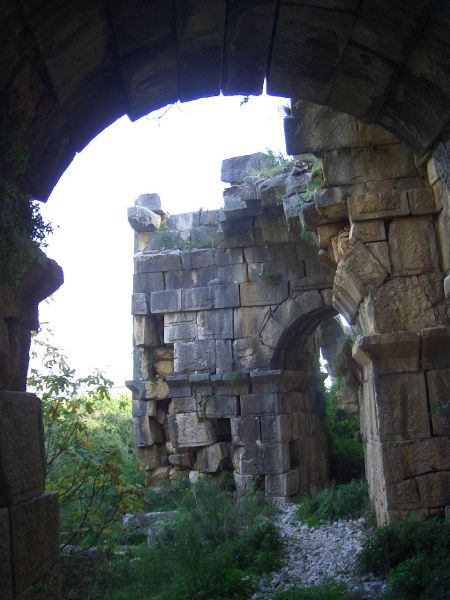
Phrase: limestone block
pixel 143 219
pixel 164 368
pixel 421 202
pixel 228 256
pixel 291 209
pixel 276 380
pixel 155 389
pixel 257 254
pixel 243 483
pixel 215 324
pixel 263 404
pixel 273 190
pixel 259 293
pixel 390 352
pixel 149 457
pixel 405 303
pixel 184 460
pixel 140 304
pixel 147 431
pixel 282 484
pixel 261 458
pixel 273 272
pixel 193 259
pixel 6 575
pixel 248 321
pixel 221 407
pixel 249 353
pixel 326 232
pixel 22 464
pixel 201 236
pixel 412 246
pixel 153 478
pixel 275 428
pixel 233 382
pixel 196 299
pixel 381 252
pixel 368 231
pixel 195 356
pixel 331 203
pixel 428 490
pixel 35 538
pixel 180 317
pixel 150 202
pixel 165 301
pixel 143 408
pixel 225 296
pixel 402 407
pixel 376 205
pixel 148 282
pixel 179 386
pixel 164 261
pixel 146 331
pixel 405 460
pixel 236 273
pixel 224 356
pixel 447 287
pixel 213 458
pixel 245 430
pixel 186 430
pixel 234 170
pixel 312 282
pixel 341 244
pixel 180 332
pixel 436 348
pixel 364 267
pixel 183 405
pixel 183 278
pixel 270 229
pixel 201 383
pixel 443 236
pixel 387 161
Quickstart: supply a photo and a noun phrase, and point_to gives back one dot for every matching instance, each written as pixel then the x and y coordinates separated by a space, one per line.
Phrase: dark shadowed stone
pixel 6 577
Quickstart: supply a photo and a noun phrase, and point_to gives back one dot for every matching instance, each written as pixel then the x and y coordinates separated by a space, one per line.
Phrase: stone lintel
pixel 389 352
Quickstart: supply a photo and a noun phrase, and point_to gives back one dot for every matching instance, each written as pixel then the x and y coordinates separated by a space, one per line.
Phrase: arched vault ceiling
pixel 71 68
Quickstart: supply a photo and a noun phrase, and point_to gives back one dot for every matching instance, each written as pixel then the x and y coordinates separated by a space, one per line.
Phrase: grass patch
pixel 348 501
pixel 217 547
pixel 415 557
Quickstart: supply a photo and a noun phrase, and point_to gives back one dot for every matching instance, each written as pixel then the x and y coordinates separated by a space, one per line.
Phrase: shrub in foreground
pixel 347 501
pixel 329 590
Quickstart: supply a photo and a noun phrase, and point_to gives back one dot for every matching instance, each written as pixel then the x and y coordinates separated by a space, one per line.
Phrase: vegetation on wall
pixel 22 228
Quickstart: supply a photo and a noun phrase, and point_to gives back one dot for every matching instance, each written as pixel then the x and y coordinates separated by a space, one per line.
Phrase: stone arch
pixel 69 71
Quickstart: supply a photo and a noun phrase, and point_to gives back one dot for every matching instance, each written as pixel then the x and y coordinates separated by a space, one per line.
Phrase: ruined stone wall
pixel 211 389
pixel 384 224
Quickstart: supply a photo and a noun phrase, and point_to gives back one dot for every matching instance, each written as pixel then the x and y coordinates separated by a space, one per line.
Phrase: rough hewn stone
pixel 412 246
pixel 186 430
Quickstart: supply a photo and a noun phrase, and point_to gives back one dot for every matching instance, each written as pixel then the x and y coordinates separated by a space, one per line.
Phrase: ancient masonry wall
pixel 240 389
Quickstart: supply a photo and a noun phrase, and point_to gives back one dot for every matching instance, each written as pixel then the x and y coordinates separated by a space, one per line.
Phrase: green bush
pixel 387 547
pixel 329 590
pixel 345 501
pixel 420 577
pixel 217 546
pixel 346 454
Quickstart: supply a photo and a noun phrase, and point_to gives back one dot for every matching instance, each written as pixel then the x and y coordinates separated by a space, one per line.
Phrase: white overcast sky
pixel 178 156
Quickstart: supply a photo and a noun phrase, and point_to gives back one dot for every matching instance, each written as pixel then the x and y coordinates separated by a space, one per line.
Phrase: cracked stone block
pixel 193 259
pixel 143 219
pixel 228 256
pixel 282 484
pixel 249 354
pixel 412 246
pixel 180 332
pixel 149 457
pixel 22 464
pixel 389 352
pixel 35 539
pixel 380 205
pixel 187 430
pixel 197 299
pixel 258 293
pixel 213 458
pixel 368 231
pixel 381 252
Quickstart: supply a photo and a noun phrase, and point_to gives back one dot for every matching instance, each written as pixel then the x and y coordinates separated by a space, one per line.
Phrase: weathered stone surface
pixel 259 293
pixel 195 356
pixel 186 430
pixel 378 205
pixel 150 202
pixel 147 431
pixel 147 282
pixel 421 202
pixel 248 321
pixel 213 458
pixel 365 271
pixel 141 219
pixel 402 408
pixel 151 263
pixel 165 301
pixel 215 324
pixel 146 331
pixel 273 190
pixel 275 428
pixel 6 576
pixel 180 332
pixel 390 352
pixel 245 430
pixel 381 252
pixel 435 348
pixel 140 304
pixel 326 232
pixel 22 465
pixel 368 231
pixel 331 203
pixel 155 389
pixel 193 259
pixel 282 484
pixel 263 404
pixel 224 356
pixel 249 353
pixel 234 170
pixel 184 460
pixel 253 459
pixel 35 539
pixel 438 385
pixel 220 407
pixel 412 246
pixel 183 405
pixel 143 408
pixel 149 457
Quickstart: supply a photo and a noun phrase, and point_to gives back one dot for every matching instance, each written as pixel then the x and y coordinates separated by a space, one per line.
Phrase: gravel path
pixel 312 555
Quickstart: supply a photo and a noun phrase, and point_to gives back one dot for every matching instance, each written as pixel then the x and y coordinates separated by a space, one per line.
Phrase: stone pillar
pixel 380 222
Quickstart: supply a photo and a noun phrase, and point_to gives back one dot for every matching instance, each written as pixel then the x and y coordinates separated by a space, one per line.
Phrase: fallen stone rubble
pixel 313 555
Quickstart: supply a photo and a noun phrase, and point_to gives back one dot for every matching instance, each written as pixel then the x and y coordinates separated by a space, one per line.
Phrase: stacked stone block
pixel 216 305
pixel 385 228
